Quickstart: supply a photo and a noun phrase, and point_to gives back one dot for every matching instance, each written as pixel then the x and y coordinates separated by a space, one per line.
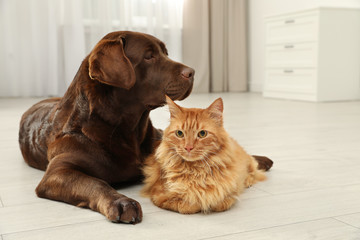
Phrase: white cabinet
pixel 313 55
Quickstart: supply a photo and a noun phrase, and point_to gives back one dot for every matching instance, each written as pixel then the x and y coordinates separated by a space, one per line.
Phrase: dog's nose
pixel 188 73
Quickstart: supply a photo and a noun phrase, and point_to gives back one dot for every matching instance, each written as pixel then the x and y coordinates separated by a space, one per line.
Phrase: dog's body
pixel 99 132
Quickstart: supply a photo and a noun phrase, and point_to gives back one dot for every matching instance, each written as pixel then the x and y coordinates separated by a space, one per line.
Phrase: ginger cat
pixel 198 167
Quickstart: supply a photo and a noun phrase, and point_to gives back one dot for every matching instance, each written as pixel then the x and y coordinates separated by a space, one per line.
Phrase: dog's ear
pixel 108 64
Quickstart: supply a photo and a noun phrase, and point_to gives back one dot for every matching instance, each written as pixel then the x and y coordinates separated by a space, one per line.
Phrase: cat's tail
pixel 264 163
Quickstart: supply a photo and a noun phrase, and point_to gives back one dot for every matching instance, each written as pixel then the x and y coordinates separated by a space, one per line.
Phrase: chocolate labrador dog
pixel 99 132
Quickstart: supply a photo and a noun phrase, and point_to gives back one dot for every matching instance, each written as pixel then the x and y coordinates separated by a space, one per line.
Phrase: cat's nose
pixel 189 148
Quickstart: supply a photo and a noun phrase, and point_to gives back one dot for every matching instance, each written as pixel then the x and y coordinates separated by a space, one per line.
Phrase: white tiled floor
pixel 312 192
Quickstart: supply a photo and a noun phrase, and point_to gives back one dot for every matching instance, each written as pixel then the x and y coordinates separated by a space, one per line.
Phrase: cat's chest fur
pixel 203 182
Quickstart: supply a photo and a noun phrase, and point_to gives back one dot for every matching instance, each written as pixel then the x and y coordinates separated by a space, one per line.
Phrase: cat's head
pixel 195 134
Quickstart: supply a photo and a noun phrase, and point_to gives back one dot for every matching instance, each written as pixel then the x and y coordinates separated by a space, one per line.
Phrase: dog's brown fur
pixel 99 132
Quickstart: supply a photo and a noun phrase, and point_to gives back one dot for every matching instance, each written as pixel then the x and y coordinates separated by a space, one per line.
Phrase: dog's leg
pixel 63 182
pixel 265 163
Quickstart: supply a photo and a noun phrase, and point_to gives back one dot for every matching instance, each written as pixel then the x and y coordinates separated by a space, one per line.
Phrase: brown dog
pixel 99 132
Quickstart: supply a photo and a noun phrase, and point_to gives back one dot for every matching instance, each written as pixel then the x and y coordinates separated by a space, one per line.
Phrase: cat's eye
pixel 202 134
pixel 179 134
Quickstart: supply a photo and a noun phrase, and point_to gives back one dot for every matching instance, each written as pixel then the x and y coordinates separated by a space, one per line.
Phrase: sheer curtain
pixel 214 43
pixel 42 42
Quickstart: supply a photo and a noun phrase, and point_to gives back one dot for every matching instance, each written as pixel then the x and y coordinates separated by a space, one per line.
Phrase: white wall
pixel 258 9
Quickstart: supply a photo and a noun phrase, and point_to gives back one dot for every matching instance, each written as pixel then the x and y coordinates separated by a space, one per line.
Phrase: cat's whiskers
pixel 211 171
pixel 169 161
pixel 168 141
pixel 172 156
pixel 211 152
pixel 212 163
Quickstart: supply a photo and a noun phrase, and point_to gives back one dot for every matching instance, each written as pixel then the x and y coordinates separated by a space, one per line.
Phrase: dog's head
pixel 139 64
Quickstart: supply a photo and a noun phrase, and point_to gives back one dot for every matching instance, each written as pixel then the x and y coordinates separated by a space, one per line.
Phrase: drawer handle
pixel 288 71
pixel 289 21
pixel 289 46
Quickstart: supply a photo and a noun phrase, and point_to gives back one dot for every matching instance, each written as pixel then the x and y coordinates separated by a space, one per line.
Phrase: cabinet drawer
pixel 292 28
pixel 292 55
pixel 291 80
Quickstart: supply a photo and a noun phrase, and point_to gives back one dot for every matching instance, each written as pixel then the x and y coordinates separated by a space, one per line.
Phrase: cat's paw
pixel 125 210
pixel 249 181
pixel 185 208
pixel 177 205
pixel 224 205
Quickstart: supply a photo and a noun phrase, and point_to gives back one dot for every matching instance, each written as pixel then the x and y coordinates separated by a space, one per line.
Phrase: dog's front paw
pixel 125 210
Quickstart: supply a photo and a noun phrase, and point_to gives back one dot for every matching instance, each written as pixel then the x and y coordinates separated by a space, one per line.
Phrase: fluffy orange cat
pixel 198 167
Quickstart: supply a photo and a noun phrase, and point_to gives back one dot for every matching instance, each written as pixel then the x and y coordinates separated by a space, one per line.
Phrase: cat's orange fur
pixel 190 174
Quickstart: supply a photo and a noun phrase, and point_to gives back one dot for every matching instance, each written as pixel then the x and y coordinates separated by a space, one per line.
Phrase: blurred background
pixel 42 43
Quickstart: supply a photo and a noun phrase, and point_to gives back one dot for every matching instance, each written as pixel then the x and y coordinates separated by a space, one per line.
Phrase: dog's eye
pixel 148 56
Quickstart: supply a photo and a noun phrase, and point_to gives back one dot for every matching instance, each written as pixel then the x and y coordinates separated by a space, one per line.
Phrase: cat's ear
pixel 216 110
pixel 173 107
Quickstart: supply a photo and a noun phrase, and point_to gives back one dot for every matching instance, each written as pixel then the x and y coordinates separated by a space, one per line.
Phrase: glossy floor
pixel 312 192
